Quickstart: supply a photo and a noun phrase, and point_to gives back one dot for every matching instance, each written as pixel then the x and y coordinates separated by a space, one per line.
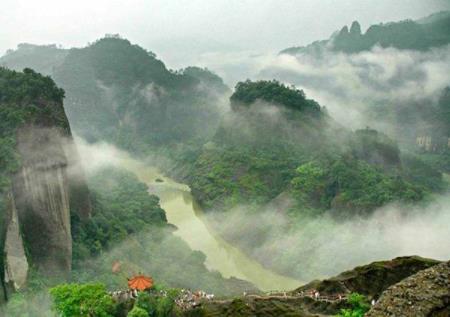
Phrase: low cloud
pixel 349 85
pixel 323 246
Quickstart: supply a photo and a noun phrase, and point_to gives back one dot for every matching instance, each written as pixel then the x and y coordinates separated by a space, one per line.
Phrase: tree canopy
pixel 272 91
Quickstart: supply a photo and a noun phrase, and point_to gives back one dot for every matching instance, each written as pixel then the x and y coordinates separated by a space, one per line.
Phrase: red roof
pixel 140 282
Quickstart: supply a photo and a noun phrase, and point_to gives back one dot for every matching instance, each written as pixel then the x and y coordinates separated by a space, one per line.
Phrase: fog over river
pixel 186 215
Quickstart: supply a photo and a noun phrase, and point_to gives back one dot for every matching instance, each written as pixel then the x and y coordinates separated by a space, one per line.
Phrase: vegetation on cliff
pixel 26 98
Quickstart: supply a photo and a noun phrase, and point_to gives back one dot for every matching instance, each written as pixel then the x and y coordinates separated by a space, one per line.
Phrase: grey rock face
pixel 425 294
pixel 16 263
pixel 42 198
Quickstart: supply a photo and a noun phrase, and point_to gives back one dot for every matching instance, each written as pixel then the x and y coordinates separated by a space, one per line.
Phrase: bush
pixel 82 300
pixel 137 312
pixel 359 306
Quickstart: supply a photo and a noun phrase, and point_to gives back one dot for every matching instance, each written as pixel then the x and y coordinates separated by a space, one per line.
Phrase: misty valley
pixel 310 182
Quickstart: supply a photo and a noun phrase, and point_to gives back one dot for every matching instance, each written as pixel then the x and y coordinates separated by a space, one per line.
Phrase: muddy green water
pixel 185 214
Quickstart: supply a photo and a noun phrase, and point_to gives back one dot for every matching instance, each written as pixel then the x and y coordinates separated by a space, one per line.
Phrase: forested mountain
pixel 433 31
pixel 279 160
pixel 275 141
pixel 120 92
pixel 389 81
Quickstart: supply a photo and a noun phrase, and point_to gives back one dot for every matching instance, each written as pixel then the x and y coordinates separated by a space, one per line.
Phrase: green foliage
pixel 27 87
pixel 138 312
pixel 17 306
pixel 129 225
pixel 275 92
pixel 151 104
pixel 359 306
pixel 121 206
pixel 155 304
pixel 25 98
pixel 147 303
pixel 375 148
pixel 90 300
pixel 350 185
pixel 231 175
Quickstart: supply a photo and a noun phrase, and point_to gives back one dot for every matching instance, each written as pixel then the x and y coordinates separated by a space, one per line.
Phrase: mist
pixel 309 247
pixel 202 27
pixel 322 246
pixel 353 85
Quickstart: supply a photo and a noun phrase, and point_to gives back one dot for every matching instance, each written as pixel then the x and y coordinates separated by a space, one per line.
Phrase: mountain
pixel 41 58
pixel 119 92
pixel 38 189
pixel 275 140
pixel 386 83
pixel 279 167
pixel 433 31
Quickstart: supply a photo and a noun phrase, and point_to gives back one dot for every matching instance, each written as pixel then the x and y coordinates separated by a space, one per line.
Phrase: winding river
pixel 185 214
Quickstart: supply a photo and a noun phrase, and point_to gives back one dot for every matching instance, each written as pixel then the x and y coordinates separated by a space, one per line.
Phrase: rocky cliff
pixel 39 183
pixel 41 191
pixel 370 280
pixel 425 294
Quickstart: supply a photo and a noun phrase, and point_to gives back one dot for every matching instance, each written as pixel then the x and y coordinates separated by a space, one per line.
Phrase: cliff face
pixel 16 262
pixel 41 192
pixel 420 282
pixel 425 294
pixel 371 279
pixel 41 184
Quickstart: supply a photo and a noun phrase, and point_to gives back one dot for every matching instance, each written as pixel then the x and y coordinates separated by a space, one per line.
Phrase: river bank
pixel 183 212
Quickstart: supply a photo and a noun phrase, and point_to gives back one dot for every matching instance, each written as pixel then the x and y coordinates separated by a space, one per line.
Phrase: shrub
pixel 359 306
pixel 83 300
pixel 137 312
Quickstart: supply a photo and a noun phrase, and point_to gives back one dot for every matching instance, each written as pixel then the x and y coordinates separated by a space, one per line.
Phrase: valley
pixel 183 212
pixel 316 184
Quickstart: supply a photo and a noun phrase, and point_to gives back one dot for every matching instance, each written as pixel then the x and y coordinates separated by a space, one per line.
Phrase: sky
pixel 179 31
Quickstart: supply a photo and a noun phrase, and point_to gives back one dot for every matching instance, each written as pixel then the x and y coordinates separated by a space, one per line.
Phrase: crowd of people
pixel 188 299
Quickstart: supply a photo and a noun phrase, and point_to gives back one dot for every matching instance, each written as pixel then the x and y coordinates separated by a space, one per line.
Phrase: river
pixel 186 215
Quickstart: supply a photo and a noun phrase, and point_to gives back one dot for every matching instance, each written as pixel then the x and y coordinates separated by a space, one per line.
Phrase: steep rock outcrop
pixel 15 261
pixel 425 294
pixel 41 184
pixel 42 197
pixel 372 279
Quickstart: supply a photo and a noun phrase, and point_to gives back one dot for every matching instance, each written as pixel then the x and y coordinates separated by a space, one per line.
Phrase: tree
pixel 137 312
pixel 83 300
pixel 359 306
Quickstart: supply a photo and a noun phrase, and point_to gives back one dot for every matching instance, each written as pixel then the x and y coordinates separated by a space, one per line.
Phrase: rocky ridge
pixel 425 294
